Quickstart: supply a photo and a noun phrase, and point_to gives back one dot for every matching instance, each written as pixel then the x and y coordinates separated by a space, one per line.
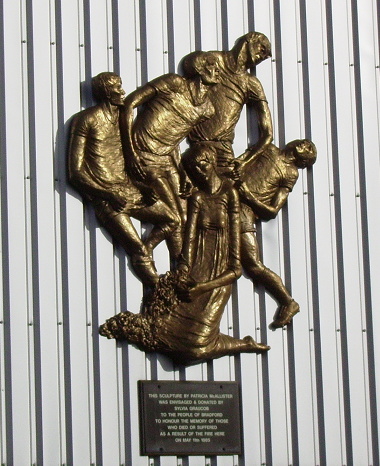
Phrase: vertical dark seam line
pixel 125 360
pixel 86 93
pixel 197 25
pixel 115 37
pixel 224 22
pixel 60 153
pixel 143 43
pixel 251 15
pixel 144 78
pixel 170 31
pixel 93 261
pixel 313 245
pixel 312 240
pixel 264 359
pixel 95 348
pixel 34 234
pixel 339 235
pixel 365 235
pixel 313 249
pixel 5 258
pixel 286 239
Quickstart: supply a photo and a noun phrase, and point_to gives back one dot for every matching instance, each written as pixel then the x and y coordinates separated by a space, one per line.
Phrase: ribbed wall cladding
pixel 69 397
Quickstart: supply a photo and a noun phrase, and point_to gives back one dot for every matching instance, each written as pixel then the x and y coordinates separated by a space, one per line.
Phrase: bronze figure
pixel 129 166
pixel 266 182
pixel 236 88
pixel 170 106
pixel 97 170
pixel 183 316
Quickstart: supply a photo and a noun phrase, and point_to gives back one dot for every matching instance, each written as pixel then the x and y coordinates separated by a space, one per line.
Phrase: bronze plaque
pixel 190 418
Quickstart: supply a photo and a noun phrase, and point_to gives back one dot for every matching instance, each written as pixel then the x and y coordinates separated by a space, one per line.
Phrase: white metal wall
pixel 70 397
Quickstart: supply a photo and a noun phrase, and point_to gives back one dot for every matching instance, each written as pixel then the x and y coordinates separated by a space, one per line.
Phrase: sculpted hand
pixel 237 170
pixel 185 190
pixel 192 291
pixel 117 199
pixel 149 194
pixel 136 170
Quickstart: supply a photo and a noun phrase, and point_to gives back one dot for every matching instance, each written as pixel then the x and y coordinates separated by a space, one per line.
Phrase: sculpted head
pixel 199 161
pixel 107 87
pixel 203 64
pixel 303 151
pixel 252 48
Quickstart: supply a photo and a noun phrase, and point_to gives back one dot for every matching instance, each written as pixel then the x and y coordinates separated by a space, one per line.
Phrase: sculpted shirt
pixel 228 97
pixel 95 138
pixel 268 173
pixel 168 117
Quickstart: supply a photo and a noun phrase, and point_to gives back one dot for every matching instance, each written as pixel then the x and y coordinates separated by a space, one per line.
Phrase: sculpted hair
pixel 195 61
pixel 310 156
pixel 100 84
pixel 196 152
pixel 252 37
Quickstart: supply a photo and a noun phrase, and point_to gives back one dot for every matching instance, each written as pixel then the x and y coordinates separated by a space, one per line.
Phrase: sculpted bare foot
pixel 254 347
pixel 285 315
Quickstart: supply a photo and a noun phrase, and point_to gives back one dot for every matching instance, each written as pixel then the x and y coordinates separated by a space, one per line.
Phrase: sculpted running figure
pixel 97 170
pixel 262 196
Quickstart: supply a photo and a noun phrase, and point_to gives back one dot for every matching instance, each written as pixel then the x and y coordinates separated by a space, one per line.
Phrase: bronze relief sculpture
pixel 204 203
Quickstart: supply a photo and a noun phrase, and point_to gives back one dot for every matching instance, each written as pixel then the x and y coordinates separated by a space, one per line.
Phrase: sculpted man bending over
pixel 171 106
pixel 97 169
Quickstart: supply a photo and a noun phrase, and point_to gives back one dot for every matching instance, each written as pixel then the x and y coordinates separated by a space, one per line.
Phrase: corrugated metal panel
pixel 69 397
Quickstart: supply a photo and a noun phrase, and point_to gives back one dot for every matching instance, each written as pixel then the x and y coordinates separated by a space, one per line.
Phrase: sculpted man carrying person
pixel 97 170
pixel 236 88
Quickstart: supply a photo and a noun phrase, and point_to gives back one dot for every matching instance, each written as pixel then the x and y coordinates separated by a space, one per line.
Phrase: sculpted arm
pixel 265 211
pixel 132 101
pixel 264 120
pixel 233 270
pixel 190 240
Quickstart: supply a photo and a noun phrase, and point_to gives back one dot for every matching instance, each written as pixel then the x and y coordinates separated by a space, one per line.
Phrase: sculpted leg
pixel 167 226
pixel 260 274
pixel 122 229
pixel 229 345
pixel 169 196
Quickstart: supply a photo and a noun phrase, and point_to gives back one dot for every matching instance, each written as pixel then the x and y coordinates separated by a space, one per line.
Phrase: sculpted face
pixel 259 49
pixel 115 92
pixel 304 152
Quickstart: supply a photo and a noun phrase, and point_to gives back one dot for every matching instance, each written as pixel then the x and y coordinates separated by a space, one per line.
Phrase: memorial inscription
pixel 190 418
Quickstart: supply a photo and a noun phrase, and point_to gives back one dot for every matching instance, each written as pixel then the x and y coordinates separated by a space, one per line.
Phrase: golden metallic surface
pixel 264 186
pixel 204 203
pixel 183 316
